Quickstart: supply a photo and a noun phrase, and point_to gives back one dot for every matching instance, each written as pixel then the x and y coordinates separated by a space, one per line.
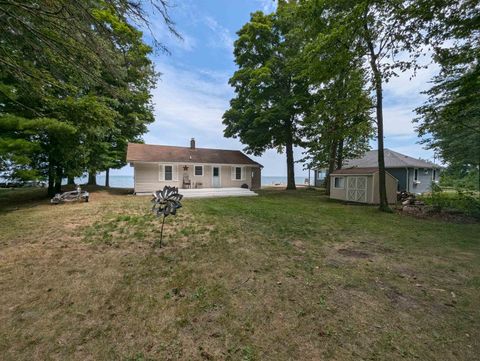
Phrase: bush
pixel 467 203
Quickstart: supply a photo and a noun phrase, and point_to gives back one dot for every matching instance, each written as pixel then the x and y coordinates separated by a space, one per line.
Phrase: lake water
pixel 126 181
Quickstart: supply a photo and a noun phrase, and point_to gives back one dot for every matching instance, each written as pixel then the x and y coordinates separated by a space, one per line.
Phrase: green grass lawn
pixel 282 276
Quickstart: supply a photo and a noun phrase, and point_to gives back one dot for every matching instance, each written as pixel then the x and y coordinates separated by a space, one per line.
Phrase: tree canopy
pixel 449 122
pixel 75 81
pixel 266 111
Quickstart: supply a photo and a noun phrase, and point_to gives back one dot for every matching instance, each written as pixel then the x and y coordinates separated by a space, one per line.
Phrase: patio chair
pixel 187 183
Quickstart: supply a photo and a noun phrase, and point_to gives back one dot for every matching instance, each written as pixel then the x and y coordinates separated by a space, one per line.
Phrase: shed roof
pixel 164 153
pixel 392 160
pixel 355 170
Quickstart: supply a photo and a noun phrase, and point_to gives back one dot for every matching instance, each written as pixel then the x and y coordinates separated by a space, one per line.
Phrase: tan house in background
pixel 361 185
pixel 190 167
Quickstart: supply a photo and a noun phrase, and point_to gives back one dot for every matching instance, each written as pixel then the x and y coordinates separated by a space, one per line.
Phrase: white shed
pixel 361 185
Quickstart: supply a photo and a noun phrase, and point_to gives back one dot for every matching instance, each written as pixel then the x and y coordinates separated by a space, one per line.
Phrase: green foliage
pixel 449 122
pixel 462 178
pixel 338 125
pixel 74 85
pixel 461 201
pixel 269 101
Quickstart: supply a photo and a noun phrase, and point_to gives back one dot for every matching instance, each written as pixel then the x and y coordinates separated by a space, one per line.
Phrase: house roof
pixel 355 170
pixel 163 153
pixel 392 160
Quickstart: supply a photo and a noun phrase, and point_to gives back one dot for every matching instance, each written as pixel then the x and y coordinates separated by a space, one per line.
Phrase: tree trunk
pixel 92 179
pixel 58 179
pixel 107 177
pixel 331 165
pixel 290 161
pixel 340 154
pixel 51 179
pixel 379 113
pixel 70 180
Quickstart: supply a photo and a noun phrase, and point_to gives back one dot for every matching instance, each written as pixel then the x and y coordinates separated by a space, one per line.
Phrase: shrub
pixel 461 201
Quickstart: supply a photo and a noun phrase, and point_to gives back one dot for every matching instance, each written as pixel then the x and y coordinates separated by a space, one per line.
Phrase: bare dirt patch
pixel 440 216
pixel 348 252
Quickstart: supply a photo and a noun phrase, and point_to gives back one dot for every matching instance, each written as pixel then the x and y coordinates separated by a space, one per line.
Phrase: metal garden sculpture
pixel 166 202
pixel 72 196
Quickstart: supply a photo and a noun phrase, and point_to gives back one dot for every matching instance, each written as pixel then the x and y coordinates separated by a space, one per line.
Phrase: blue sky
pixel 193 92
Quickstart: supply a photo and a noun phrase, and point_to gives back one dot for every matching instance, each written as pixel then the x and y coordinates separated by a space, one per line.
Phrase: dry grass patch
pixel 282 276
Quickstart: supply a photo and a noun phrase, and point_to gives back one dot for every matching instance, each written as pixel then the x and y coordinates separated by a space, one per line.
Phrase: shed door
pixel 357 189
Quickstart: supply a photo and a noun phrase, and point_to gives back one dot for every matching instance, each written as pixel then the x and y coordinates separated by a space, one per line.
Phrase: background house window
pixel 339 182
pixel 434 174
pixel 199 170
pixel 168 172
pixel 238 173
pixel 415 174
pixel 425 171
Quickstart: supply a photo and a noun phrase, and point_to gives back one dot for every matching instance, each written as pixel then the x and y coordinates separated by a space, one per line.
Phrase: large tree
pixel 337 124
pixel 268 106
pixel 449 122
pixel 74 85
pixel 383 34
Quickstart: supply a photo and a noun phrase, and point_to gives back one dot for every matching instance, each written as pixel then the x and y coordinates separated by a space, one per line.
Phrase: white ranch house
pixel 191 168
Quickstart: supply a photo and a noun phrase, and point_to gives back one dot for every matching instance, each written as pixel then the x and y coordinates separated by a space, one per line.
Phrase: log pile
pixel 409 203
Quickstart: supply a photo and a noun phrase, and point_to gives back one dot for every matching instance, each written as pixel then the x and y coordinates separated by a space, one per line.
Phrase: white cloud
pixel 268 6
pixel 408 86
pixel 397 121
pixel 185 99
pixel 221 36
pixel 401 96
pixel 190 103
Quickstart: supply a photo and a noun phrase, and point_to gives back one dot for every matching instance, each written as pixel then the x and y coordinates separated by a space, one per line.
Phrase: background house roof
pixel 163 153
pixel 392 160
pixel 355 170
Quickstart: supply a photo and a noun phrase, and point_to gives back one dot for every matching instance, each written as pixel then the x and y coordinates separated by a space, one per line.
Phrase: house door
pixel 357 189
pixel 216 177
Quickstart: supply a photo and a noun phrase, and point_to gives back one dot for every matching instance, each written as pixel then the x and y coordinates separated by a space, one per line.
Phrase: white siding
pixel 151 176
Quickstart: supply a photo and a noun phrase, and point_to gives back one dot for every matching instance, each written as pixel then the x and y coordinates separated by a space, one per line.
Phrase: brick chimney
pixel 192 143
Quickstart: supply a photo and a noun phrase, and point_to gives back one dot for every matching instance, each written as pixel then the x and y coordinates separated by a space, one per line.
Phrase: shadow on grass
pixel 14 198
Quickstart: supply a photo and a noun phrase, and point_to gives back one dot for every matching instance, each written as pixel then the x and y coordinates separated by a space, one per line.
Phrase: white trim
pixel 219 175
pixel 407 186
pixel 160 173
pixel 356 188
pixel 234 173
pixel 340 177
pixel 173 173
pixel 415 181
pixel 203 163
pixel 194 171
pixel 373 187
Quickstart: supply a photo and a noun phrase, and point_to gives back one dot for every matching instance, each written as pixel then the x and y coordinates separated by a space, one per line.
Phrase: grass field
pixel 282 276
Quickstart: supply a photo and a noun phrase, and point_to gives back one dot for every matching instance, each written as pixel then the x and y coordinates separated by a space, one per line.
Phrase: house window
pixel 415 175
pixel 339 182
pixel 168 172
pixel 238 173
pixel 199 170
pixel 425 171
pixel 434 174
